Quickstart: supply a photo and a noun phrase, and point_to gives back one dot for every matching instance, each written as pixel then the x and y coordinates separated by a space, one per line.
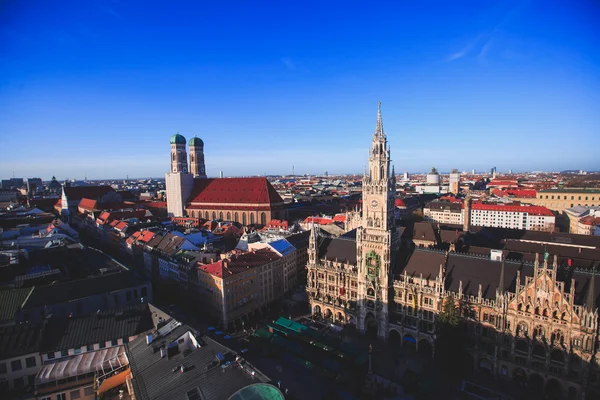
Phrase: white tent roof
pixel 82 364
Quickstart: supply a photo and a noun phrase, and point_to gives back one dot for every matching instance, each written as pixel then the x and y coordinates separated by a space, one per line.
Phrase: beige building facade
pixel 561 199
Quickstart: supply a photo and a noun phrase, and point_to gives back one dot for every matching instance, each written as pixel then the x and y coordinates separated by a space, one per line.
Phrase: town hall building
pixel 532 321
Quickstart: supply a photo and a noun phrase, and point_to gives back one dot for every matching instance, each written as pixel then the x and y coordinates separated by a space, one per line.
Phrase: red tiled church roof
pixel 234 190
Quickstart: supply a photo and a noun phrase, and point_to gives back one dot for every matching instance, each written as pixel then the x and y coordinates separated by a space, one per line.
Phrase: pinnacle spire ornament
pixel 379 126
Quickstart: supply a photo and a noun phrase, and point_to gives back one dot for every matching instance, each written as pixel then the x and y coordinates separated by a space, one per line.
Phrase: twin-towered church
pixel 249 201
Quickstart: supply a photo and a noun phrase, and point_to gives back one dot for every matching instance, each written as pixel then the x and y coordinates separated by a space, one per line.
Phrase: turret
pixel 197 167
pixel 178 154
pixel 467 213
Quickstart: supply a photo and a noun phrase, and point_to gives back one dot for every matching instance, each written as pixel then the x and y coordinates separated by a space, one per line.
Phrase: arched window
pixel 221 215
pixel 251 219
pixel 263 218
pixel 522 329
pixel 228 216
pixel 214 215
pixel 382 172
pixel 370 292
pixel 206 215
pixel 235 217
pixel 538 332
pixel 557 338
pixel 244 219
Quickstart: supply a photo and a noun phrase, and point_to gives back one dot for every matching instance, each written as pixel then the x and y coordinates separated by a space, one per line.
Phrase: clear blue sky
pixel 98 87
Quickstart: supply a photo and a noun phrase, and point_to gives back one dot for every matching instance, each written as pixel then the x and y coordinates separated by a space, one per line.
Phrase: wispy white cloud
pixel 465 50
pixel 114 13
pixel 288 63
pixel 482 42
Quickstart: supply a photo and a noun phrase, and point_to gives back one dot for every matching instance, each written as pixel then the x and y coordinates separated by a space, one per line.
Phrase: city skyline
pixel 98 90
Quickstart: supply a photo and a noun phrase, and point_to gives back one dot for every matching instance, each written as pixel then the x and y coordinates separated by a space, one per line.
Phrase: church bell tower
pixel 376 239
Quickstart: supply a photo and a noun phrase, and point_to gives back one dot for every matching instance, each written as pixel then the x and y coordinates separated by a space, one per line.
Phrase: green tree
pixel 451 340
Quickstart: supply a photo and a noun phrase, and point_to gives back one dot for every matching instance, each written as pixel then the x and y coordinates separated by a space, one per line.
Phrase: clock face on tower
pixel 374 203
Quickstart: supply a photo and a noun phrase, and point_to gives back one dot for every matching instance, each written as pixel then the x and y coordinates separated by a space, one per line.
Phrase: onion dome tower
pixel 197 167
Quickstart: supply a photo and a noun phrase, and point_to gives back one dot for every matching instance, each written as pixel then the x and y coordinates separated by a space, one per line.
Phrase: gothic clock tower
pixel 376 239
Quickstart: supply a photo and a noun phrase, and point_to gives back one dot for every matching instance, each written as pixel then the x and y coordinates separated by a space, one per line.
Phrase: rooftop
pixel 69 333
pixel 20 339
pixel 63 292
pixel 210 370
pixel 90 192
pixel 234 190
pixel 570 190
pixel 11 301
pixel 240 263
pixel 342 248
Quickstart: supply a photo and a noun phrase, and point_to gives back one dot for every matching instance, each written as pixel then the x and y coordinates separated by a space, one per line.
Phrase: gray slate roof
pixel 20 339
pixel 154 377
pixel 11 301
pixel 68 333
pixel 342 248
pixel 81 288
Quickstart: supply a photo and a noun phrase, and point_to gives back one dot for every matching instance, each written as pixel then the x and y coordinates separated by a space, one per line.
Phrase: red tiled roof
pixel 590 220
pixel 275 223
pixel 318 220
pixel 234 190
pixel 103 217
pixel 118 215
pixel 531 210
pixel 240 263
pixel 450 199
pixel 88 204
pixel 340 218
pixel 121 225
pixel 90 192
pixel 530 193
pixel 146 236
pixel 523 193
pixel 133 237
pixel 499 193
pixel 228 207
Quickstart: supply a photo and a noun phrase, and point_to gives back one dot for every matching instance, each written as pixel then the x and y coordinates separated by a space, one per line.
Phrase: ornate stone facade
pixel 529 322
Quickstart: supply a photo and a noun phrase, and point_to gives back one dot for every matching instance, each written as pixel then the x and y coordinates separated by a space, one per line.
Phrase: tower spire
pixel 501 283
pixel 591 292
pixel 379 127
